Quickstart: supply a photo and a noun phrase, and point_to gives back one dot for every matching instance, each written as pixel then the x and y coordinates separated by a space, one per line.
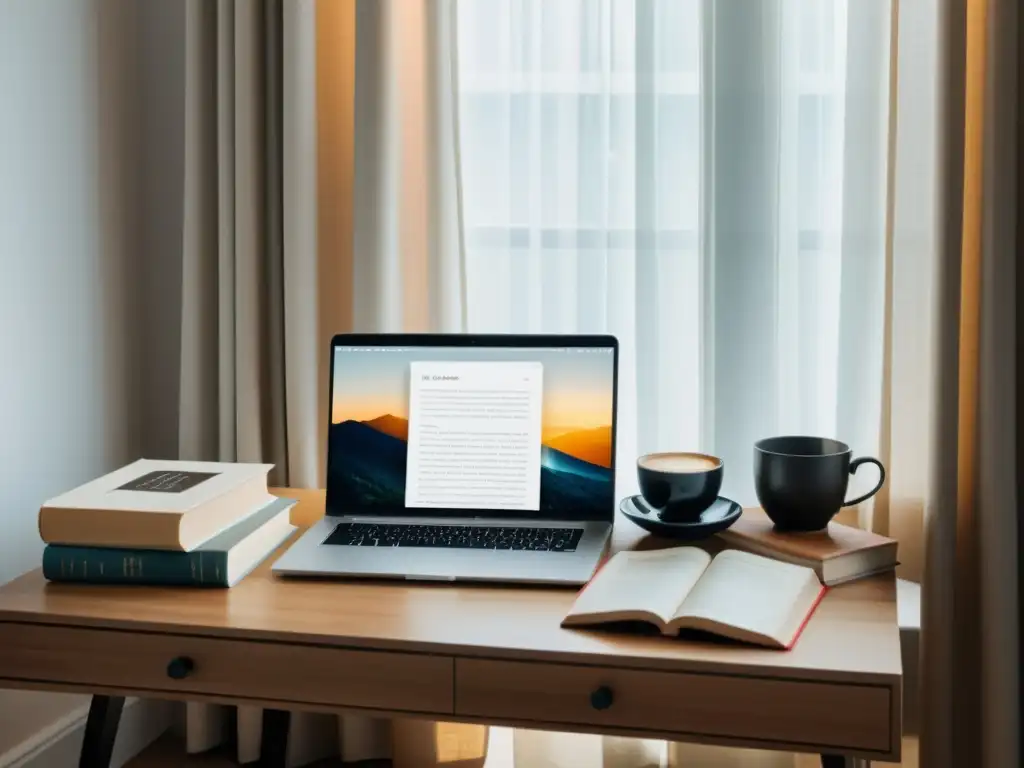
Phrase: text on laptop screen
pixel 460 428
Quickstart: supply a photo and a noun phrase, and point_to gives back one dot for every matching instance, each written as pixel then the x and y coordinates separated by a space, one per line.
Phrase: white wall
pixel 69 190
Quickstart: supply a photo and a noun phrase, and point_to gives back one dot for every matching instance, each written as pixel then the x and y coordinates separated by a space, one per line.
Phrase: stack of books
pixel 179 523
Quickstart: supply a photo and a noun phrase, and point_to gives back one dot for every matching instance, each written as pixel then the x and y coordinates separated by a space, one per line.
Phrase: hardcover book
pixel 222 561
pixel 837 554
pixel 153 504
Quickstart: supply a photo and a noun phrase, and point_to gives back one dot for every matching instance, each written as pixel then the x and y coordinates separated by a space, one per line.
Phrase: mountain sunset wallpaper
pixel 370 426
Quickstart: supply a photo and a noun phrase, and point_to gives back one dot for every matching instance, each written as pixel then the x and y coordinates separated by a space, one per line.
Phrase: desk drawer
pixel 267 671
pixel 818 715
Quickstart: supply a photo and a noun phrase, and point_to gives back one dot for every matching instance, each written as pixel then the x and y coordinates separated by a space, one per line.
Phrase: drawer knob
pixel 602 698
pixel 180 668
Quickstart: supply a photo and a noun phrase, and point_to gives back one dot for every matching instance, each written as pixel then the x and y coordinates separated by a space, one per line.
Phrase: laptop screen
pixel 473 430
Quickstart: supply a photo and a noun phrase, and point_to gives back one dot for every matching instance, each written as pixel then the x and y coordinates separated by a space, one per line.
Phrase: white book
pixel 156 504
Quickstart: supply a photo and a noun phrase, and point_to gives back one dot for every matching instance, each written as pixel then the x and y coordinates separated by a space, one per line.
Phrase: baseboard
pixel 142 722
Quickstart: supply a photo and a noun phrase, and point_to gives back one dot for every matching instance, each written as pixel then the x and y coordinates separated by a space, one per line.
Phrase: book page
pixel 653 582
pixel 753 593
pixel 474 435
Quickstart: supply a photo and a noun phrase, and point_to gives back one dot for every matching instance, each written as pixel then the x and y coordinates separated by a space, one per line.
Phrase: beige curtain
pixel 256 311
pixel 277 256
pixel 971 609
pixel 391 106
pixel 407 267
pixel 265 258
pixel 908 386
pixel 232 344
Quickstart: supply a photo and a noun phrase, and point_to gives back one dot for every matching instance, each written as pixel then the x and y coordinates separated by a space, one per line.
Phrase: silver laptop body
pixel 371 531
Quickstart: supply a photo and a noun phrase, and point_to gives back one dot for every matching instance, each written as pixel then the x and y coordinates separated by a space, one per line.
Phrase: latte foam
pixel 679 462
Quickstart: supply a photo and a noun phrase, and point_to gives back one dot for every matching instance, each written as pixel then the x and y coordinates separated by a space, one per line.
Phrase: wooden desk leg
pixel 100 731
pixel 274 739
pixel 833 761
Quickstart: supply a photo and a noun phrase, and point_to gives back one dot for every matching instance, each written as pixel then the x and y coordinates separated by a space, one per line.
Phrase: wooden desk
pixel 476 654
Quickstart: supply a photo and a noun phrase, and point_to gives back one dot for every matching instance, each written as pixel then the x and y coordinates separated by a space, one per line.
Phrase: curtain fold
pixel 971 603
pixel 407 258
pixel 232 343
pixel 249 375
pixel 909 386
pixel 407 270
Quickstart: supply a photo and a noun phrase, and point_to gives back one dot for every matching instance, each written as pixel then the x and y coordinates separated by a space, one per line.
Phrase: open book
pixel 736 594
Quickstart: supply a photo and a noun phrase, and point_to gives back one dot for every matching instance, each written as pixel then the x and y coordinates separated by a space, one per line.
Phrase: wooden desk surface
pixel 852 639
pixel 853 635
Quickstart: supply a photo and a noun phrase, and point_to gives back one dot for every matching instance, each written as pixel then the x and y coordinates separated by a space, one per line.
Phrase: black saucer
pixel 720 515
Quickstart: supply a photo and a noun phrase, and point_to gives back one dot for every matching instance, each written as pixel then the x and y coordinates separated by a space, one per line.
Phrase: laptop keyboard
pixel 455 536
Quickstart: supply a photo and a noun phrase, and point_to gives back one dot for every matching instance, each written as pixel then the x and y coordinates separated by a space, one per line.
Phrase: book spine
pixel 90 565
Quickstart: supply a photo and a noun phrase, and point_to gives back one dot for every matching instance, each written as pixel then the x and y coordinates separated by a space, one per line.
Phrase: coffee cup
pixel 679 485
pixel 801 482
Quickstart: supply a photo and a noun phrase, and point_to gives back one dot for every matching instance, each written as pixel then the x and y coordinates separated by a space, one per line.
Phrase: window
pixel 634 167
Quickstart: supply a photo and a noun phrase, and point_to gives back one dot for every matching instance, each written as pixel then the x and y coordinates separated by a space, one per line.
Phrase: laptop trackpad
pixel 447 565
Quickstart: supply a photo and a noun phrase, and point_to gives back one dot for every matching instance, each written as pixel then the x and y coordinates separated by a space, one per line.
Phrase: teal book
pixel 222 561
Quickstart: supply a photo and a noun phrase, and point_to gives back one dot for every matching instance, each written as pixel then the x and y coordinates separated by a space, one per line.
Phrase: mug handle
pixel 881 478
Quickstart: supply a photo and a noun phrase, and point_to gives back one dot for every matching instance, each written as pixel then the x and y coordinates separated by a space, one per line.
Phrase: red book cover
pixel 807 618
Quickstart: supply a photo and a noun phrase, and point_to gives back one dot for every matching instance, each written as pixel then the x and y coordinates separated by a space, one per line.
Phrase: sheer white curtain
pixel 706 179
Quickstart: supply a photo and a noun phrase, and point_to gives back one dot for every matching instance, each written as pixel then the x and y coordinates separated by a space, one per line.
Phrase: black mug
pixel 801 482
pixel 679 485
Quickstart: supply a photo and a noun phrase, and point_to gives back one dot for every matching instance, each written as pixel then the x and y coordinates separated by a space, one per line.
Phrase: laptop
pixel 466 457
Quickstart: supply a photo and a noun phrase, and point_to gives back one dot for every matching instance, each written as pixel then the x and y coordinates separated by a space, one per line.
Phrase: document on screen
pixel 474 435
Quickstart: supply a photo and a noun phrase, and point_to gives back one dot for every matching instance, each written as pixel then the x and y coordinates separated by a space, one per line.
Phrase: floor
pixel 167 752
